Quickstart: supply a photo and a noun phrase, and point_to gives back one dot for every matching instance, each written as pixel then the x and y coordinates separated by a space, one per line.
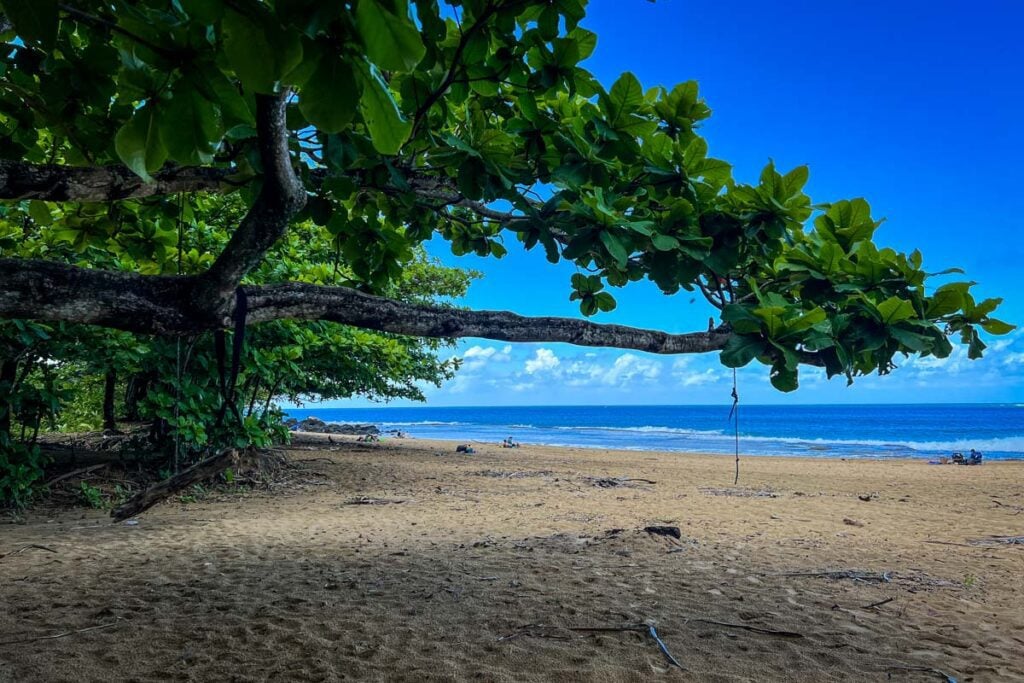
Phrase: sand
pixel 451 576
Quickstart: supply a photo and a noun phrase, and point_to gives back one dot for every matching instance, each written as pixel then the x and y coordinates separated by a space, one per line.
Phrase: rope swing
pixel 734 417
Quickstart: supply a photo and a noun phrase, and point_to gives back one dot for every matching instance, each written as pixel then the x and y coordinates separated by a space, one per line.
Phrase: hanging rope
pixel 228 382
pixel 177 352
pixel 734 416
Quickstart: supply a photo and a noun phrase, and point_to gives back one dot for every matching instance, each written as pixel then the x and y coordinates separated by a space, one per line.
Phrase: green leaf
pixel 993 326
pixel 138 143
pixel 625 97
pixel 329 98
pixel 259 50
pixel 34 20
pixel 392 42
pixel 387 127
pixel 741 318
pixel 204 11
pixel 894 309
pixel 190 128
pixel 615 247
pixel 605 301
pixel 784 378
pixel 912 340
pixel 664 242
pixel 741 349
pixel 946 300
pixel 40 213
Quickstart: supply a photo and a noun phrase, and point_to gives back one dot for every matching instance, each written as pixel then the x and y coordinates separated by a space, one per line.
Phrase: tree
pixel 70 374
pixel 385 125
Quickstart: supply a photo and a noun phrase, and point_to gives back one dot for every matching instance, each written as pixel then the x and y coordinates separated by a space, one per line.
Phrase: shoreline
pixel 927 432
pixel 391 439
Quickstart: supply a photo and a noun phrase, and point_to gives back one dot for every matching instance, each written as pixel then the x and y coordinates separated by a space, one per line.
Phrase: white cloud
pixel 477 357
pixel 629 369
pixel 544 360
pixel 1014 359
pixel 689 376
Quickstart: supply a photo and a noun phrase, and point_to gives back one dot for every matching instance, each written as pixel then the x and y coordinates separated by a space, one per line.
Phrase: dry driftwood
pixel 28 547
pixel 753 629
pixel 366 500
pixel 75 473
pixel 203 469
pixel 855 575
pixel 60 635
pixel 927 669
pixel 531 630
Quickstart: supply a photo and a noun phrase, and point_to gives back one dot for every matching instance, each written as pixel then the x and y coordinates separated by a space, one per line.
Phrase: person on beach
pixel 509 443
pixel 974 458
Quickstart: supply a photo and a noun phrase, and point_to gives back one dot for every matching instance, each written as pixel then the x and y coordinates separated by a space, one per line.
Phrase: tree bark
pixel 109 385
pixel 281 197
pixel 203 469
pixel 135 391
pixel 55 183
pixel 8 374
pixel 44 290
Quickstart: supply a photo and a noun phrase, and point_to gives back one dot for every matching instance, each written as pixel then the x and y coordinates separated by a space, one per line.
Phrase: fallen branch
pixel 754 629
pixel 614 482
pixel 75 473
pixel 961 545
pixel 998 540
pixel 878 604
pixel 60 635
pixel 28 547
pixel 882 577
pixel 365 500
pixel 636 628
pixel 204 469
pixel 939 672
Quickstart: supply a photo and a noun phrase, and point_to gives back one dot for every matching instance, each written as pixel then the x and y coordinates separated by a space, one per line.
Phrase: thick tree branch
pixel 281 197
pixel 56 183
pixel 51 291
pixel 343 305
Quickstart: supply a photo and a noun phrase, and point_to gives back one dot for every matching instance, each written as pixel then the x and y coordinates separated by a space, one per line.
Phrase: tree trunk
pixel 8 373
pixel 134 391
pixel 109 384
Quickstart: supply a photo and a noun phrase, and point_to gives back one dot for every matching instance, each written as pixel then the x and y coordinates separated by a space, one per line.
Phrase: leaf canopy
pixel 476 122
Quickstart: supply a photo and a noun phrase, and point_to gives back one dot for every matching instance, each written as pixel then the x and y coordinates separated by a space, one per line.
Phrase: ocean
pixel 826 431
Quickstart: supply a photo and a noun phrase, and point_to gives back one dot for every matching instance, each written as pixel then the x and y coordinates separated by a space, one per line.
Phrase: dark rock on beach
pixel 318 426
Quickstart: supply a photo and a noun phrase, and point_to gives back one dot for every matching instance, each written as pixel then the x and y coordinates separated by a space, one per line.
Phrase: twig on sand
pixel 614 482
pixel 28 547
pixel 999 540
pixel 1019 509
pixel 75 473
pixel 960 545
pixel 878 604
pixel 531 630
pixel 882 577
pixel 61 635
pixel 366 500
pixel 938 672
pixel 753 629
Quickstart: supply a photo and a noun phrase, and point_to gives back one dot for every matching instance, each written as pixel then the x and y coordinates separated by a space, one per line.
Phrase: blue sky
pixel 916 106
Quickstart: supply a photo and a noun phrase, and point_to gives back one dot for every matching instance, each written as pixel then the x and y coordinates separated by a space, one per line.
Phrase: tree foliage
pixel 363 129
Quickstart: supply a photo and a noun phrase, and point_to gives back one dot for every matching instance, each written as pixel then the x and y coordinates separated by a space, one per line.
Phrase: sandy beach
pixel 404 561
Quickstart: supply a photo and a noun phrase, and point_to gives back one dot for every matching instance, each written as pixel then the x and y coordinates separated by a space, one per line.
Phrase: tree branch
pixel 44 290
pixel 281 197
pixel 300 301
pixel 56 183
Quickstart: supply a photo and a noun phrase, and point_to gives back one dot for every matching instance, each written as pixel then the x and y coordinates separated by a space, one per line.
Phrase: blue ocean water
pixel 875 431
